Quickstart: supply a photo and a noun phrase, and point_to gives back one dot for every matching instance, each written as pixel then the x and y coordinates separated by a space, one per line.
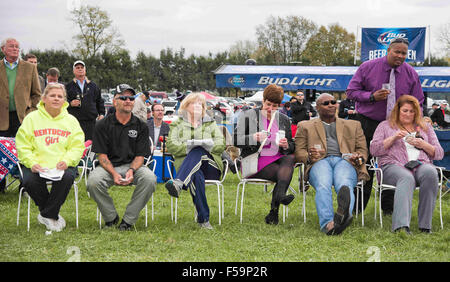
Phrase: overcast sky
pixel 202 26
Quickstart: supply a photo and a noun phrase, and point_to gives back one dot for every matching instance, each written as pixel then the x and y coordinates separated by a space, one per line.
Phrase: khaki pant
pixel 100 180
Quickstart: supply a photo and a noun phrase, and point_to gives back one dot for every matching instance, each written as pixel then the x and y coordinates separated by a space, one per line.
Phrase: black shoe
pixel 286 200
pixel 343 199
pixel 387 212
pixel 405 228
pixel 174 187
pixel 113 222
pixel 339 228
pixel 123 226
pixel 425 230
pixel 272 217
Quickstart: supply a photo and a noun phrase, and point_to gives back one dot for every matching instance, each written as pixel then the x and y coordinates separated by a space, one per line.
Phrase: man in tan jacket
pixel 334 151
pixel 20 90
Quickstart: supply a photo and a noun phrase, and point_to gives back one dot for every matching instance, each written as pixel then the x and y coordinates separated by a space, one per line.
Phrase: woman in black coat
pixel 276 160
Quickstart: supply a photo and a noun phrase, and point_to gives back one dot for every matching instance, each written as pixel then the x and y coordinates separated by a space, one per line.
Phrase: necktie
pixel 391 96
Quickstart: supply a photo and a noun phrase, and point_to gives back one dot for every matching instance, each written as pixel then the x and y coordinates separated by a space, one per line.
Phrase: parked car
pixel 169 106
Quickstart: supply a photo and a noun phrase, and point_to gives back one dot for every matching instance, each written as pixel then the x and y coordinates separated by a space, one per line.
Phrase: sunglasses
pixel 124 98
pixel 326 103
pixel 400 40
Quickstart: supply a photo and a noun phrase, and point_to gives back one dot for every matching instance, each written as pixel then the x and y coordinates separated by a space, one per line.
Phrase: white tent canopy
pixel 257 97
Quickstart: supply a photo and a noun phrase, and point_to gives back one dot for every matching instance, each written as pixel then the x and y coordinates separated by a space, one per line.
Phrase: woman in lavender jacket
pixel 406 139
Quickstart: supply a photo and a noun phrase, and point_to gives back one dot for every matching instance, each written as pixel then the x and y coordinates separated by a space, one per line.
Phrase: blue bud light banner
pixel 375 42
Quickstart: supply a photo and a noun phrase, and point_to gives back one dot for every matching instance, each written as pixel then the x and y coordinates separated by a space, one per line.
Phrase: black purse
pixel 412 164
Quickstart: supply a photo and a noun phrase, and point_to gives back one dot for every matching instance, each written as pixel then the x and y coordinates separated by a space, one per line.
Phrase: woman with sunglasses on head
pixel 50 138
pixel 276 160
pixel 406 147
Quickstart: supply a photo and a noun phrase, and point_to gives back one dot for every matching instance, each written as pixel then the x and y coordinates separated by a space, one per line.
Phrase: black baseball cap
pixel 122 87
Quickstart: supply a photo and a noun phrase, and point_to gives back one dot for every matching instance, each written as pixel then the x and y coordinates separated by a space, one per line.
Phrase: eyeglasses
pixel 326 103
pixel 124 98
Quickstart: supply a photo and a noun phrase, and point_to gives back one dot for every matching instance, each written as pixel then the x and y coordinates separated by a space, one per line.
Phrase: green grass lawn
pixel 252 241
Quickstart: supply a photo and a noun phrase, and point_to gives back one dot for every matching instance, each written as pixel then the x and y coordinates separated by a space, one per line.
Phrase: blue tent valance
pixel 291 78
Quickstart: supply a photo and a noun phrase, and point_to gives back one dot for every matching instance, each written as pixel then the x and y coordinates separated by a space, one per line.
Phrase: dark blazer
pixel 301 112
pixel 27 92
pixel 250 122
pixel 151 131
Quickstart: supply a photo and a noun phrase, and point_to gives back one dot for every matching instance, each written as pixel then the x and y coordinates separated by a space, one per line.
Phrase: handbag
pixel 249 164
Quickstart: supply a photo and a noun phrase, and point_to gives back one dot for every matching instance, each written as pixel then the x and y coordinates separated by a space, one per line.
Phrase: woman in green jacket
pixel 196 144
pixel 50 138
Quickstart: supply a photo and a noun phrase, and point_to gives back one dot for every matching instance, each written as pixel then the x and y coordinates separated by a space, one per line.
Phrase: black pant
pixel 49 203
pixel 88 127
pixel 387 199
pixel 14 125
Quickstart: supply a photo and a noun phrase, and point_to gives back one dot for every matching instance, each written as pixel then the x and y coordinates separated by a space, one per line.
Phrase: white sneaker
pixel 51 224
pixel 61 221
pixel 206 225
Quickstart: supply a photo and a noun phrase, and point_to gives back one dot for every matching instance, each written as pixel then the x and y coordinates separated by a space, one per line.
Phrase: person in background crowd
pixel 433 108
pixel 369 89
pixel 140 106
pixel 276 160
pixel 121 142
pixel 20 91
pixel 301 110
pixel 347 109
pixel 52 76
pixel 286 109
pixel 406 147
pixel 156 126
pixel 334 151
pixel 439 116
pixel 58 144
pixel 85 100
pixel 31 58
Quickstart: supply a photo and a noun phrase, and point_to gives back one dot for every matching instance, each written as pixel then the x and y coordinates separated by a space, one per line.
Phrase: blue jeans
pixel 331 171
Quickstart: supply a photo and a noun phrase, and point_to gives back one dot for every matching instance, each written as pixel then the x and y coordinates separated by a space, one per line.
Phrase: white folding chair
pixel 382 186
pixel 255 181
pixel 217 183
pixel 303 184
pixel 49 183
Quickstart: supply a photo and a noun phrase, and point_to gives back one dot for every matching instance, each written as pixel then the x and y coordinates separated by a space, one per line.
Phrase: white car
pixel 169 106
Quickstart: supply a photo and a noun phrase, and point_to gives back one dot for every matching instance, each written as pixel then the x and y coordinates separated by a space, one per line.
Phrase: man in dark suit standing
pixel 20 90
pixel 156 126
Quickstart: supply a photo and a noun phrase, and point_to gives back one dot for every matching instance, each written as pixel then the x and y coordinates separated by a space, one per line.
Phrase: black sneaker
pixel 405 229
pixel 272 217
pixel 174 187
pixel 286 200
pixel 123 226
pixel 113 222
pixel 425 230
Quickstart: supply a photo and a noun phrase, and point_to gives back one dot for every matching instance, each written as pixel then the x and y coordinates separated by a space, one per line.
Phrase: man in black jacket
pixel 301 110
pixel 85 100
pixel 438 116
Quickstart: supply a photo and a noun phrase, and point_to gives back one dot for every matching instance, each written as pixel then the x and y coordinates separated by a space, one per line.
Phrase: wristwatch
pixel 132 169
pixel 372 98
